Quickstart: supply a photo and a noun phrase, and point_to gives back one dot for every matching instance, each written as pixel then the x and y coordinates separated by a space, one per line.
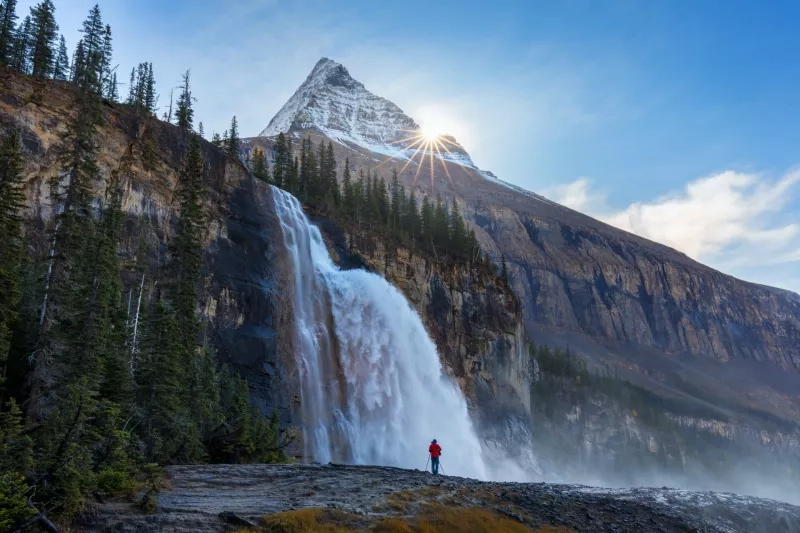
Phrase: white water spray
pixel 373 390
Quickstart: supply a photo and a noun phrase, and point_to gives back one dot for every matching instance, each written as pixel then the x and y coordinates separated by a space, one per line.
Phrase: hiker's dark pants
pixel 435 465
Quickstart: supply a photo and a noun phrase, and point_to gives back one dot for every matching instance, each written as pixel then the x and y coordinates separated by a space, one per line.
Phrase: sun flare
pixel 430 134
pixel 428 145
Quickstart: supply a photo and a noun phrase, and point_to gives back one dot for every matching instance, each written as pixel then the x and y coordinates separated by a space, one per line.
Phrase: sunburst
pixel 423 143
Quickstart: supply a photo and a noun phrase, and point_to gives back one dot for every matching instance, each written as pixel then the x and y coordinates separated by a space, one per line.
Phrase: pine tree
pixel 411 219
pixel 394 213
pixel 149 91
pixel 105 331
pixel 441 226
pixel 11 253
pixel 16 461
pixel 8 17
pixel 293 177
pixel 458 233
pixel 428 229
pixel 94 59
pixel 60 360
pixel 22 47
pixel 332 185
pixel 160 384
pixel 233 140
pixel 258 164
pixel 283 162
pixel 105 66
pixel 200 132
pixel 185 114
pixel 348 196
pixel 503 268
pixel 61 67
pixel 189 242
pixel 78 59
pixel 44 32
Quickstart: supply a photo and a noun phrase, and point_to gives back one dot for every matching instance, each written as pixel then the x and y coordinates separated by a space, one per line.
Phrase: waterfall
pixel 373 390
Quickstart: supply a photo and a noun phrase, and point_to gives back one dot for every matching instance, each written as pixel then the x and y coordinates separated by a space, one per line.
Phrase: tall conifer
pixel 61 67
pixel 8 18
pixel 11 253
pixel 44 32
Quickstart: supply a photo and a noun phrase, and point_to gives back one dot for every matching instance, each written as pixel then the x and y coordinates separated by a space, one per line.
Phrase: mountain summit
pixel 334 104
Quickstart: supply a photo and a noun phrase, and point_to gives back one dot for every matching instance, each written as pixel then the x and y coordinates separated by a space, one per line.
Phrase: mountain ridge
pixel 290 119
pixel 614 297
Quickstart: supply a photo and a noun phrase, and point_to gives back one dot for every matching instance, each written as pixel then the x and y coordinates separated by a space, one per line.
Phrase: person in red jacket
pixel 435 450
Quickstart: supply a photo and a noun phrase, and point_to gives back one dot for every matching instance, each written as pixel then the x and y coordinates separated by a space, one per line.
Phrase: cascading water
pixel 372 386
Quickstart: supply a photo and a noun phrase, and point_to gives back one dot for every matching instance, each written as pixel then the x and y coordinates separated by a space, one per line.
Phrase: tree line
pixel 366 199
pixel 103 379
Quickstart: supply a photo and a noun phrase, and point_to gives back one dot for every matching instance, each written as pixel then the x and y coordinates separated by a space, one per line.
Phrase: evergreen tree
pixel 440 230
pixel 44 31
pixel 503 268
pixel 333 192
pixel 160 384
pixel 359 196
pixel 60 360
pixel 458 233
pixel 78 59
pixel 61 67
pixel 22 46
pixel 348 196
pixel 293 177
pixel 185 114
pixel 427 220
pixel 382 201
pixel 105 329
pixel 16 461
pixel 8 17
pixel 282 163
pixel 105 65
pixel 91 65
pixel 216 140
pixel 394 215
pixel 258 164
pixel 233 139
pixel 149 91
pixel 11 253
pixel 200 132
pixel 189 243
pixel 411 218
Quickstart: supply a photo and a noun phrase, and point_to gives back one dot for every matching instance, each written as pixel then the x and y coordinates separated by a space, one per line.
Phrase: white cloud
pixel 739 223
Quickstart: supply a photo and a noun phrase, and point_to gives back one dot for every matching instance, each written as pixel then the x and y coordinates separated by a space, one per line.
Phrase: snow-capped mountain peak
pixel 331 102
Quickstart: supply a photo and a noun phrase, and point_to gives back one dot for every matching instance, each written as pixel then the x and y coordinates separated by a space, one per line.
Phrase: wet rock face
pixel 244 257
pixel 213 498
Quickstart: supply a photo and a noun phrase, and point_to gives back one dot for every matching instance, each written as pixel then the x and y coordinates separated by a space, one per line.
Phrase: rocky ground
pixel 336 498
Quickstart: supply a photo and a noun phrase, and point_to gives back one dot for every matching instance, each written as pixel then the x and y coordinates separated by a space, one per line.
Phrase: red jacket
pixel 435 450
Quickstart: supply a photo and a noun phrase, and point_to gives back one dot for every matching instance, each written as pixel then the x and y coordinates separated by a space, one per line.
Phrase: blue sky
pixel 677 120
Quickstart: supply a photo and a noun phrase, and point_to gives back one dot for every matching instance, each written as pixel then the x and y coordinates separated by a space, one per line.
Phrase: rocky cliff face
pixel 244 261
pixel 660 318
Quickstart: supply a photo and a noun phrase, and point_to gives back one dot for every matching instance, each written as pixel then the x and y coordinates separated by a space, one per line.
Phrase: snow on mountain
pixel 331 102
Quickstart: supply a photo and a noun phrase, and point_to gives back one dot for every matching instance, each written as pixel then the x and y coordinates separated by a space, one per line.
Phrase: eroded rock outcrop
pixel 270 498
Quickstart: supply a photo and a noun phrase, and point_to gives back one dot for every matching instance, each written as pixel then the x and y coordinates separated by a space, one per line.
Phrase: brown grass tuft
pixel 313 521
